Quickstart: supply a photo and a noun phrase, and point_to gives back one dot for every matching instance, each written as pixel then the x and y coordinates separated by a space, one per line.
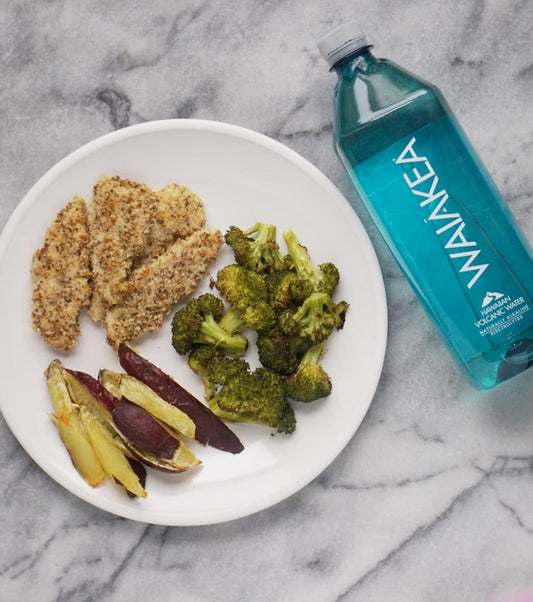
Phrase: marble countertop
pixel 432 499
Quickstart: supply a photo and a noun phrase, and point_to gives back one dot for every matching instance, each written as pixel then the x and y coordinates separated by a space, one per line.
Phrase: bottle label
pixel 446 225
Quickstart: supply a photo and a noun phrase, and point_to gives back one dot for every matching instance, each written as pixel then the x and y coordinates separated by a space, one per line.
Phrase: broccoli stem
pixel 264 231
pixel 231 320
pixel 224 414
pixel 316 318
pixel 310 381
pixel 312 355
pixel 265 249
pixel 313 307
pixel 212 333
pixel 209 387
pixel 303 265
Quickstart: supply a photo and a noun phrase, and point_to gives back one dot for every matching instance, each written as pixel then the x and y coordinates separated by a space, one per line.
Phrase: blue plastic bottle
pixel 436 206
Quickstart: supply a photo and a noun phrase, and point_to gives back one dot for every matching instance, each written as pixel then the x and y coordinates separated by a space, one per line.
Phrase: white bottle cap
pixel 341 42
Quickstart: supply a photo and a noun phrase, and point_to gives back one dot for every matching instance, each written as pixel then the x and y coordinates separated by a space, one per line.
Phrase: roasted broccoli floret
pixel 240 286
pixel 260 254
pixel 315 319
pixel 258 397
pixel 197 323
pixel 236 394
pixel 286 289
pixel 330 278
pixel 324 277
pixel 310 381
pixel 215 368
pixel 246 293
pixel 278 351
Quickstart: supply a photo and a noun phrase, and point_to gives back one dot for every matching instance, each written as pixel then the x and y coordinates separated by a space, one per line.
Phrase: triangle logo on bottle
pixel 490 297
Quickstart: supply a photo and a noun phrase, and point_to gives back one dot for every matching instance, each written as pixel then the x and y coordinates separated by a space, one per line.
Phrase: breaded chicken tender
pixel 129 256
pixel 153 289
pixel 120 216
pixel 178 213
pixel 60 276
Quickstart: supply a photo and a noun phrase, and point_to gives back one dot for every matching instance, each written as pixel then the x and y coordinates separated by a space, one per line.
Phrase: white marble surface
pixel 432 500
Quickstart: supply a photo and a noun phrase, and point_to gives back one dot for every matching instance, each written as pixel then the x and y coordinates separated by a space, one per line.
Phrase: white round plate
pixel 243 177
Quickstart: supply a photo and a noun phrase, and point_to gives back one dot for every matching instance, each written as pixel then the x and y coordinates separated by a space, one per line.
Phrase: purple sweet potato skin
pixel 210 429
pixel 145 432
pixel 140 471
pixel 96 389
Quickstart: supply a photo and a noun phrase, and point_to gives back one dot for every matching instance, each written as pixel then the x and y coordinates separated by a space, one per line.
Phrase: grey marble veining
pixel 432 500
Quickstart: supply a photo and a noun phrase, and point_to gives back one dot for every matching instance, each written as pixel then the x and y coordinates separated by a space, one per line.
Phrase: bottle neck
pixel 360 60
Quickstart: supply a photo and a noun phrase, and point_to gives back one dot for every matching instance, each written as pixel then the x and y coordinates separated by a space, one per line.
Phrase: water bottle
pixel 436 207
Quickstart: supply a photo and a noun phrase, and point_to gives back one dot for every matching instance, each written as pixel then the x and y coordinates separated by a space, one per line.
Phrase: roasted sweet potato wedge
pixel 92 443
pixel 124 385
pixel 82 380
pixel 113 460
pixel 70 429
pixel 135 438
pixel 106 436
pixel 148 434
pixel 210 429
pixel 80 449
pixel 140 470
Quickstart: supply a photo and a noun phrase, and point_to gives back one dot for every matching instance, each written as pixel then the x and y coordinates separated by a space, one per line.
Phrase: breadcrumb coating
pixel 60 276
